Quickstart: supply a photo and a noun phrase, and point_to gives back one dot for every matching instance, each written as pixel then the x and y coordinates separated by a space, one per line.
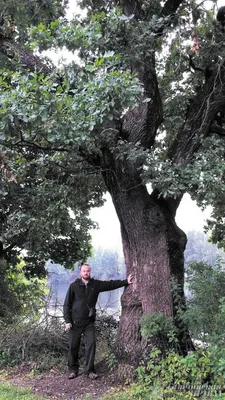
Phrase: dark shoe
pixel 73 375
pixel 92 375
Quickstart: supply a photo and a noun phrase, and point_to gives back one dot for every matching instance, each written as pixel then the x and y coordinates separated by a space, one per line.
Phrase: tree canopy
pixel 47 122
pixel 141 101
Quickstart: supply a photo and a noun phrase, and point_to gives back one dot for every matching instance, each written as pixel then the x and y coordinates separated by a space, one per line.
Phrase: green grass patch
pixel 9 392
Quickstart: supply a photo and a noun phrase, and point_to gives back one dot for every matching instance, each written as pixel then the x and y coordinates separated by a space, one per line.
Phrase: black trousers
pixel 75 333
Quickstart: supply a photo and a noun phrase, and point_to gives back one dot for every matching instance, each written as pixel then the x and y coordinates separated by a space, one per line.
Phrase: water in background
pixel 60 278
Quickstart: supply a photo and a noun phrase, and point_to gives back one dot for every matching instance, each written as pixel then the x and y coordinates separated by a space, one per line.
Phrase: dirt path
pixel 56 385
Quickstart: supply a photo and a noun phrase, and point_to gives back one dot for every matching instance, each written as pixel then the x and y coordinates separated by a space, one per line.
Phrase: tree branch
pixel 218 130
pixel 170 7
pixel 199 124
pixel 208 102
pixel 26 143
pixel 150 115
pixel 13 50
pixel 132 7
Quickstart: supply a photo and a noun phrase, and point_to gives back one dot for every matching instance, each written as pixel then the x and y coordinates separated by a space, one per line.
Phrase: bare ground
pixel 55 384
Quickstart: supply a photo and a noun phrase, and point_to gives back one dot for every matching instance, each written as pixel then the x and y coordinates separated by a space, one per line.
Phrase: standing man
pixel 79 314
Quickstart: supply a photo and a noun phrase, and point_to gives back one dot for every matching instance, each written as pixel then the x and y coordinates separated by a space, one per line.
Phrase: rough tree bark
pixel 153 245
pixel 153 248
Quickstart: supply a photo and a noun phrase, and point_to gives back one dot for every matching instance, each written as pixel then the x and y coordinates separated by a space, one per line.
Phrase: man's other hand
pixel 68 326
pixel 130 279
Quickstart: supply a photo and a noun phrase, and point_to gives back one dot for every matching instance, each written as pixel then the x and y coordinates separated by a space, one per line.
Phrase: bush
pixel 205 313
pixel 200 375
pixel 8 301
pixel 42 343
pixel 20 296
pixel 157 325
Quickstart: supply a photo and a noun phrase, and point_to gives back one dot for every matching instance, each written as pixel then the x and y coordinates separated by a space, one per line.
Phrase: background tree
pixel 205 312
pixel 19 296
pixel 200 249
pixel 107 264
pixel 144 104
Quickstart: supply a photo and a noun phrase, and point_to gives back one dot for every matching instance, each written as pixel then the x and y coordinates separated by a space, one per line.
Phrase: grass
pixel 9 392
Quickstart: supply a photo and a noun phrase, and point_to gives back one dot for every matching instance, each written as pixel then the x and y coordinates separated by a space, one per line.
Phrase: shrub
pixel 20 296
pixel 42 342
pixel 200 375
pixel 205 313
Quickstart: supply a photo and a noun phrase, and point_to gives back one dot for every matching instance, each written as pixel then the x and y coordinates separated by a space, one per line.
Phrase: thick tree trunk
pixel 153 248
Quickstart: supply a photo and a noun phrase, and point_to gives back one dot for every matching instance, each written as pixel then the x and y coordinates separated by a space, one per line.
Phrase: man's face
pixel 85 272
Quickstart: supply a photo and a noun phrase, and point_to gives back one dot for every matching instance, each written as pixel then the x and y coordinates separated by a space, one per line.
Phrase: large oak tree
pixel 141 101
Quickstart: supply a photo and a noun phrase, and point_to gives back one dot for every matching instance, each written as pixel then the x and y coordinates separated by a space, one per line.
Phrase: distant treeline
pixel 200 249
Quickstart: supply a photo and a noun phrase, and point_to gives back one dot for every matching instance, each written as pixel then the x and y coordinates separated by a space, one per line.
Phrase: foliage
pixel 205 304
pixel 43 224
pixel 20 296
pixel 54 177
pixel 19 14
pixel 41 343
pixel 61 121
pixel 8 300
pixel 198 375
pixel 157 324
pixel 194 369
pixel 30 293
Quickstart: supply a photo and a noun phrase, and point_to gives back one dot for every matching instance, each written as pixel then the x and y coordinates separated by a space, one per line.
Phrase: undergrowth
pixel 200 375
